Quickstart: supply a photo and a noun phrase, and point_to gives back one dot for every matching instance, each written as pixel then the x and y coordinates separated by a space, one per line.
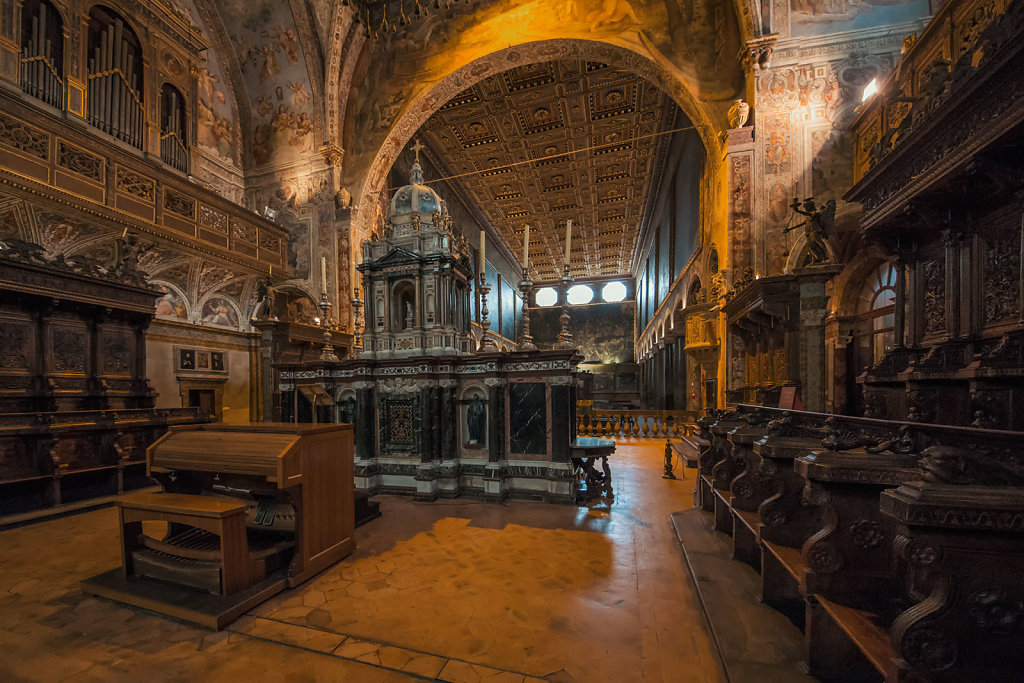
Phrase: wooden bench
pixel 225 570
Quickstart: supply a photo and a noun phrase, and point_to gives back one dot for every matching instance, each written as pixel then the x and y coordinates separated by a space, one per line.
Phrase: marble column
pixel 813 310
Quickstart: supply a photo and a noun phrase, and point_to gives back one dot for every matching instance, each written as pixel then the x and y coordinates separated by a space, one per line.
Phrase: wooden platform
pixel 191 605
pixel 755 642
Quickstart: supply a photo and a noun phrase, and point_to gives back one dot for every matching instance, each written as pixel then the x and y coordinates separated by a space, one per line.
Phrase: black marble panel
pixel 527 418
pixel 561 423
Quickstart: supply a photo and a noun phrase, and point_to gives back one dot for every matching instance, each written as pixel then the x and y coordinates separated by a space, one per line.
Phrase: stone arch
pixel 848 284
pixel 416 112
pixel 799 251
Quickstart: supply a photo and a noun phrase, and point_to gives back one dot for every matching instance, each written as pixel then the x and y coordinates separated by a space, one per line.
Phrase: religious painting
pixel 740 210
pixel 777 145
pixel 186 359
pixel 276 78
pixel 170 304
pixel 815 17
pixel 778 203
pixel 218 311
pixel 59 232
pixel 831 170
pixel 296 307
pixel 217 360
pixel 298 245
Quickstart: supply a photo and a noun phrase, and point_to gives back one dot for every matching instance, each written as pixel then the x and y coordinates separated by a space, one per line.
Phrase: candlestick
pixel 483 252
pixel 525 340
pixel 487 344
pixel 564 335
pixel 526 248
pixel 568 240
pixel 124 234
pixel 323 275
pixel 327 352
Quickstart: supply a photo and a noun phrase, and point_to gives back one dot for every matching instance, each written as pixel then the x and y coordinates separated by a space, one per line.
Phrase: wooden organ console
pixel 249 510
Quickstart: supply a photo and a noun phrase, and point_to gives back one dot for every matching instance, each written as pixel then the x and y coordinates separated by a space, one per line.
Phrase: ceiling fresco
pixel 548 142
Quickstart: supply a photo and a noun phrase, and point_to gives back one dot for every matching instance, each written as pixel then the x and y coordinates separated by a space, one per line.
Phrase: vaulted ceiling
pixel 548 142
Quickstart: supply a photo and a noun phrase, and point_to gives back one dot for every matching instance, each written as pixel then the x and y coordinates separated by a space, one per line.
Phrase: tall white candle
pixel 568 239
pixel 323 274
pixel 526 248
pixel 271 273
pixel 483 253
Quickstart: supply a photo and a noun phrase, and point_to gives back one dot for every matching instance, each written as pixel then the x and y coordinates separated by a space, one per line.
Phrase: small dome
pixel 415 198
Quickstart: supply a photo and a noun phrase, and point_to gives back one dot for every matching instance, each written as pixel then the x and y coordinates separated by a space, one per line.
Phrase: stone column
pixel 813 310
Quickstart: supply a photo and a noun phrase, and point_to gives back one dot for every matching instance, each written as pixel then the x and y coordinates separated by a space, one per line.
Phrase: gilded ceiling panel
pixel 548 142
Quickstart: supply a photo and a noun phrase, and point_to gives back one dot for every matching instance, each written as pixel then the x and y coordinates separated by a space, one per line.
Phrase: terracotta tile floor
pixel 457 591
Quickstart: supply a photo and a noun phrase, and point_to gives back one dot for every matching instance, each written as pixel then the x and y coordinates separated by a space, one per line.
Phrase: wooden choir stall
pixel 249 510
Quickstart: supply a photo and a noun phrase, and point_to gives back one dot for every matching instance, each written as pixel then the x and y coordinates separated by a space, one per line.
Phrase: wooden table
pixel 585 451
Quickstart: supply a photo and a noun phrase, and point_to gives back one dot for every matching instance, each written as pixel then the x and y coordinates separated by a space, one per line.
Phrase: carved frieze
pixel 1002 279
pixel 79 161
pixel 135 184
pixel 23 137
pixel 180 204
pixel 14 339
pixel 213 219
pixel 69 350
pixel 934 284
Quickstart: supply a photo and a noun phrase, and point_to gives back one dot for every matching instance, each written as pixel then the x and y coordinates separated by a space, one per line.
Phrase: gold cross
pixel 416 148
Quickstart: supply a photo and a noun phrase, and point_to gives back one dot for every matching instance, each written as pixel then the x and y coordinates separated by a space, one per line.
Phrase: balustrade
pixel 639 423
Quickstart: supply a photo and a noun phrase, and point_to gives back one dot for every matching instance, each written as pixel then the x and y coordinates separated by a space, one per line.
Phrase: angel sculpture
pixel 818 226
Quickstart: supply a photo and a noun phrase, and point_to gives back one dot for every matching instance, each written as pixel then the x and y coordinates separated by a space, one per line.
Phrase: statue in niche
pixel 476 420
pixel 408 315
pixel 347 411
pixel 818 226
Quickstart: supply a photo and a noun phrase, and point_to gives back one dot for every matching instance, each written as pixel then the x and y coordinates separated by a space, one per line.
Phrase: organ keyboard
pixel 250 509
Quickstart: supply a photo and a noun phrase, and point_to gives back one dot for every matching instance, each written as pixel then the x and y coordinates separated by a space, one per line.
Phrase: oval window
pixel 546 296
pixel 614 291
pixel 580 294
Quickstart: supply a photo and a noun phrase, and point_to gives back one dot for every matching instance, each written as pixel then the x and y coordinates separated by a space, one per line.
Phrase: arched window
pixel 876 309
pixel 172 128
pixel 42 52
pixel 115 77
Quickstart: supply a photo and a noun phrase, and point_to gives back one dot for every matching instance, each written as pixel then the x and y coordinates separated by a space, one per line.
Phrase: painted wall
pixel 675 224
pixel 165 375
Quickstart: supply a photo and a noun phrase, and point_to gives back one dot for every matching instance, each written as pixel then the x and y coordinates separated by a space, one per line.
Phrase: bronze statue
pixel 265 293
pixel 818 226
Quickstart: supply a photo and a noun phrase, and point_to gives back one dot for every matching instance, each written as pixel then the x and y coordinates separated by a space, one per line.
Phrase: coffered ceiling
pixel 544 143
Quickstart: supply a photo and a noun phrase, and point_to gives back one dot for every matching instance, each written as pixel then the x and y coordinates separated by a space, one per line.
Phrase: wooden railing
pixel 641 423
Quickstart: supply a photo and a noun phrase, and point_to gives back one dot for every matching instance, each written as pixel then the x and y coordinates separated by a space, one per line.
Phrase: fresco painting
pixel 218 311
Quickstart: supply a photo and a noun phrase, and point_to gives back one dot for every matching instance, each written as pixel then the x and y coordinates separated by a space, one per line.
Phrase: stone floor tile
pixel 289 634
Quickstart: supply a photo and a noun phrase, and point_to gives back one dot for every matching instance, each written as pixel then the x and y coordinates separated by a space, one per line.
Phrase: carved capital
pixel 332 154
pixel 756 53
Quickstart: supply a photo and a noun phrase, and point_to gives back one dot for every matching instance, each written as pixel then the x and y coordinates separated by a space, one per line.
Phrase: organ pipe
pixel 172 134
pixel 115 106
pixel 40 70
